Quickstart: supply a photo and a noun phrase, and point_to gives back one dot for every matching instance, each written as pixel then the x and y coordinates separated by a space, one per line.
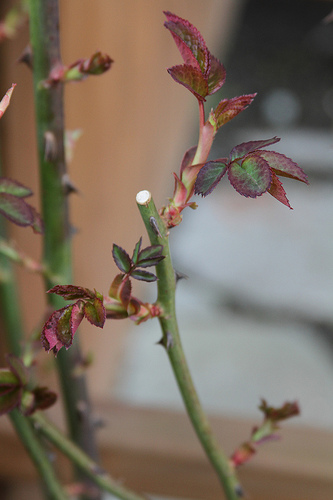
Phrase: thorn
pixel 26 57
pixel 68 185
pixel 166 341
pixel 50 148
pixel 239 491
pixel 81 409
pixel 154 226
pixel 180 276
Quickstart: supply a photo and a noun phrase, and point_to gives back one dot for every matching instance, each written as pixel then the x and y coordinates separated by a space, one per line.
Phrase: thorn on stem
pixel 154 226
pixel 68 185
pixel 50 146
pixel 26 57
pixel 166 341
pixel 180 276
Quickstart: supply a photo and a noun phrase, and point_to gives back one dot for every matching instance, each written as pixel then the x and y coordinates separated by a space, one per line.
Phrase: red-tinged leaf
pixel 4 103
pixel 115 285
pixel 216 76
pixel 95 312
pixel 180 192
pixel 188 158
pixel 227 109
pixel 150 253
pixel 276 189
pixel 10 400
pixel 150 262
pixel 125 291
pixel 72 292
pixel 242 455
pixel 18 368
pixel 285 411
pixel 44 398
pixel 191 78
pixel 189 41
pixel 14 187
pixel 97 64
pixel 61 326
pixel 121 258
pixel 210 175
pixel 16 209
pixel 248 147
pixel 142 275
pixel 284 166
pixel 136 251
pixel 252 177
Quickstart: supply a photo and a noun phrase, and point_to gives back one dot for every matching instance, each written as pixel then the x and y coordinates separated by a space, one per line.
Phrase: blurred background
pixel 256 310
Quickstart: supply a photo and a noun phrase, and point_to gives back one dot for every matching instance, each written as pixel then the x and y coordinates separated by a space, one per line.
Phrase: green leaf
pixel 191 78
pixel 8 381
pixel 209 176
pixel 13 187
pixel 252 177
pixel 152 252
pixel 136 251
pixel 141 275
pixel 16 209
pixel 18 368
pixel 121 258
pixel 216 76
pixel 95 312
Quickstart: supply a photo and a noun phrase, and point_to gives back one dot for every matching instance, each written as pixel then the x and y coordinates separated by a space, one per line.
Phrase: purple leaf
pixel 141 275
pixel 247 147
pixel 191 78
pixel 284 166
pixel 72 292
pixel 121 258
pixel 18 368
pixel 16 209
pixel 227 109
pixel 10 400
pixel 189 37
pixel 150 253
pixel 14 187
pixel 95 312
pixel 251 177
pixel 216 76
pixel 210 175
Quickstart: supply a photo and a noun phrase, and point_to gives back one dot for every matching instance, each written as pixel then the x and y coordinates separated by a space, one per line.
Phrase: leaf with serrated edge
pixel 150 262
pixel 187 35
pixel 247 147
pixel 16 209
pixel 191 78
pixel 276 189
pixel 14 187
pixel 121 258
pixel 227 109
pixel 149 253
pixel 72 292
pixel 216 76
pixel 125 291
pixel 141 275
pixel 252 177
pixel 209 176
pixel 136 251
pixel 95 312
pixel 284 166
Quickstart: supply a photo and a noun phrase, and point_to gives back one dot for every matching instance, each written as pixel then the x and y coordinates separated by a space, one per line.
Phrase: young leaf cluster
pixel 252 171
pixel 16 390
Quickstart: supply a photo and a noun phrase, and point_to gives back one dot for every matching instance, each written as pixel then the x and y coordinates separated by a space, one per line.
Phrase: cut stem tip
pixel 143 197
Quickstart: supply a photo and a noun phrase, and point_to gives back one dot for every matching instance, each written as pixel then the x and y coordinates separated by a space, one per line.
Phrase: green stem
pixel 76 455
pixel 23 427
pixel 44 36
pixel 166 299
